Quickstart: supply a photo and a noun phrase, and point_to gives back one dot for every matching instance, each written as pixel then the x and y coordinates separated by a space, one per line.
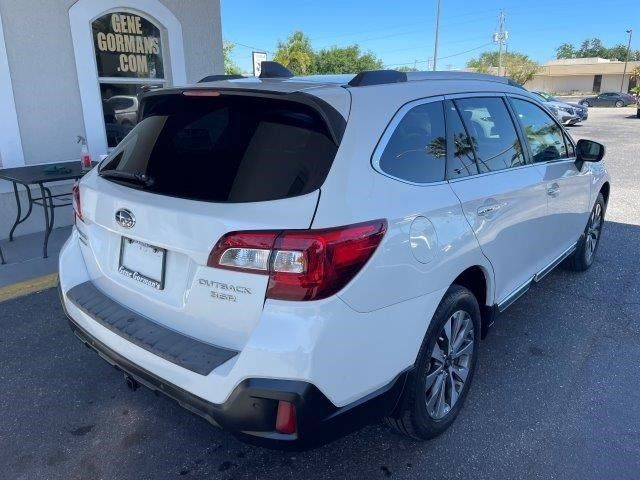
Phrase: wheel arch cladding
pixel 476 280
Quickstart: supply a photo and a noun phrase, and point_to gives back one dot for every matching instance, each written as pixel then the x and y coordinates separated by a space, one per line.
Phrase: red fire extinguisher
pixel 85 156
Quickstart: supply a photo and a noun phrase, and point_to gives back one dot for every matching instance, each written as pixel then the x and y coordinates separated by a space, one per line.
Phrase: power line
pixel 249 46
pixel 440 58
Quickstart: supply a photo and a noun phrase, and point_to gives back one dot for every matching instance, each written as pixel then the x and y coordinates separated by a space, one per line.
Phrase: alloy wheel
pixel 593 231
pixel 451 359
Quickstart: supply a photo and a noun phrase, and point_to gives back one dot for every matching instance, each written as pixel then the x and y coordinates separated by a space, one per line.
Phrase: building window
pixel 129 59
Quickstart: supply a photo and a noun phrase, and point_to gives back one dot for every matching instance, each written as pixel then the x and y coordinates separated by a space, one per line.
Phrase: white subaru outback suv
pixel 292 258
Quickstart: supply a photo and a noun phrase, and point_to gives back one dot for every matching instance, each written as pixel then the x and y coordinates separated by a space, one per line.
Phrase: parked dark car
pixel 609 99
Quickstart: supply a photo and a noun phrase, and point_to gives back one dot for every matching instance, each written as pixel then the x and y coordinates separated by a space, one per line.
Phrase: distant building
pixel 583 75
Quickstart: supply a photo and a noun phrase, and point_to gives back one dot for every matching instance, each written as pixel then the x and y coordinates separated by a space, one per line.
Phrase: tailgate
pixel 193 169
pixel 210 304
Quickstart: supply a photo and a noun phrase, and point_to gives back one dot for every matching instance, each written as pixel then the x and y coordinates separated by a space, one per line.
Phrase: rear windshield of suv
pixel 228 148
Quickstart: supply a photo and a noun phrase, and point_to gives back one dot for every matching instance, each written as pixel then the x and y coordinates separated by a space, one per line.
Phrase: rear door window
pixel 492 133
pixel 462 159
pixel 544 135
pixel 416 150
pixel 225 149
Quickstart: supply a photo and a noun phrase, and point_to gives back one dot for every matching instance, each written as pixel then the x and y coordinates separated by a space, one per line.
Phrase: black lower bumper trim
pixel 250 411
pixel 187 352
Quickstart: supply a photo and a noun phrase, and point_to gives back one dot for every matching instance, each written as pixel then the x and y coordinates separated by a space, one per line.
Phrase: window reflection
pixel 120 107
pixel 417 149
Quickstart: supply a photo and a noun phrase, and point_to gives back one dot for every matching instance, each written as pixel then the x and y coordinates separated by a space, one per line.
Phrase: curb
pixel 28 287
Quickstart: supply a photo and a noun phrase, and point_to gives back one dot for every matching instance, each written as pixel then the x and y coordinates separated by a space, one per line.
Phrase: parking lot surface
pixel 556 393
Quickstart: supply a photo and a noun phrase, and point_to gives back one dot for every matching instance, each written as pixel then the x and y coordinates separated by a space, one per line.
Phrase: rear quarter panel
pixel 355 192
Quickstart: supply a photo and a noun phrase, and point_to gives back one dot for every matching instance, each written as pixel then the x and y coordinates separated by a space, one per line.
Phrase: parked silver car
pixel 566 113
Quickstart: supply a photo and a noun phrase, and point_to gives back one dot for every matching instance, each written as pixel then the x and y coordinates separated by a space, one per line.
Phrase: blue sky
pixel 402 31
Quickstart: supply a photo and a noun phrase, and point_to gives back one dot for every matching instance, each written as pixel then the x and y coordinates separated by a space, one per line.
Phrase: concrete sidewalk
pixel 26 271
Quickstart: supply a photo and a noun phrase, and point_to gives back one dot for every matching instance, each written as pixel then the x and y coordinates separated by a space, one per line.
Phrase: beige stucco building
pixel 582 75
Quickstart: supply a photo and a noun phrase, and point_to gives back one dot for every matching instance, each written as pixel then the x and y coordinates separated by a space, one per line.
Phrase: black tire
pixel 585 252
pixel 413 418
pixel 619 104
pixel 585 103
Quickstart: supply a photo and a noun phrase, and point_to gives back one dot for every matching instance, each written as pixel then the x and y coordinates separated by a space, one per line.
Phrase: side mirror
pixel 589 151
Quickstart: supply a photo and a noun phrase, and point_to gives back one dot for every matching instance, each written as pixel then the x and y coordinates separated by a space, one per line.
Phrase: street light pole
pixel 435 48
pixel 626 60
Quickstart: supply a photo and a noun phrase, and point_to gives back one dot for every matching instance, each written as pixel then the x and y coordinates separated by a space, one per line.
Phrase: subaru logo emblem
pixel 125 218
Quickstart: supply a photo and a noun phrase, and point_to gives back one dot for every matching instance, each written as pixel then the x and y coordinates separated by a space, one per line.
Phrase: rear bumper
pixel 250 411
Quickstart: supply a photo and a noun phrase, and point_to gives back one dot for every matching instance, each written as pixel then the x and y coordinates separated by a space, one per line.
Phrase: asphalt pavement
pixel 556 392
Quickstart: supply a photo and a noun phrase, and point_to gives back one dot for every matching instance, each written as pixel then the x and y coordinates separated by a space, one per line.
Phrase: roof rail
pixel 274 70
pixel 377 77
pixel 215 78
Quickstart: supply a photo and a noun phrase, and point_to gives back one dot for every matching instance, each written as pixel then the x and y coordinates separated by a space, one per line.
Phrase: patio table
pixel 41 175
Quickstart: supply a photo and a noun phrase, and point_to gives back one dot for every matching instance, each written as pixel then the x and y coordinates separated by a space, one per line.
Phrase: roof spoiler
pixel 377 77
pixel 215 78
pixel 274 70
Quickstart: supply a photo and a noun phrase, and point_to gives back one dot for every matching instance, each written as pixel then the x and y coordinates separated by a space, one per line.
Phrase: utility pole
pixel 500 37
pixel 435 48
pixel 626 60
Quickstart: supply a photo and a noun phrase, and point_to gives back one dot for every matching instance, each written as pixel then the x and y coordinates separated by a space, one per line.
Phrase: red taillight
pixel 77 206
pixel 301 264
pixel 286 417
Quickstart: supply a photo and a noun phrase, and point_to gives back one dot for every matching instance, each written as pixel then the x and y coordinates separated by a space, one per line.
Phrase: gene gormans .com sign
pixel 127 45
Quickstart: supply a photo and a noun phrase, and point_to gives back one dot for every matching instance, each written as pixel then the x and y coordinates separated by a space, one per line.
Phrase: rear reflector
pixel 286 417
pixel 301 264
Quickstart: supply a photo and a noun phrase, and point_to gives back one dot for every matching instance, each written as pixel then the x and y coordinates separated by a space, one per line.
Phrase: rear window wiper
pixel 133 177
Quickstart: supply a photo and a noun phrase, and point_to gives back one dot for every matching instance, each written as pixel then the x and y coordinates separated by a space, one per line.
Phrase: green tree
pixel 619 52
pixel 593 47
pixel 296 54
pixel 565 50
pixel 517 66
pixel 405 68
pixel 344 60
pixel 230 68
pixel 485 62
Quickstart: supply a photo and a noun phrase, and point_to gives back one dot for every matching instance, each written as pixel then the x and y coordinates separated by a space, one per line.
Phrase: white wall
pixel 11 154
pixel 562 84
pixel 611 83
pixel 576 83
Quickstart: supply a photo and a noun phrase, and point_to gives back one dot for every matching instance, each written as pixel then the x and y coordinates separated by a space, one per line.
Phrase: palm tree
pixel 296 54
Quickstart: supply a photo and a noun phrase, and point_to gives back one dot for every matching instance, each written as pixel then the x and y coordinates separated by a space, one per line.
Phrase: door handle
pixel 553 190
pixel 488 209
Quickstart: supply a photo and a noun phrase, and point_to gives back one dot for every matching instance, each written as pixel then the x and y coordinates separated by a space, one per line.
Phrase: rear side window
pixel 544 135
pixel 492 133
pixel 416 150
pixel 225 149
pixel 462 160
